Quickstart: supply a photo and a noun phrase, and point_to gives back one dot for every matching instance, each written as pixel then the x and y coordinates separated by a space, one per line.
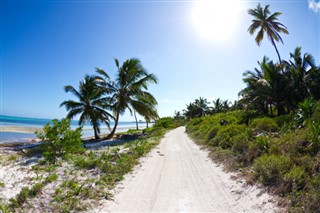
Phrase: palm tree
pixel 266 87
pixel 91 104
pixel 266 24
pixel 300 71
pixel 218 105
pixel 197 109
pixel 129 89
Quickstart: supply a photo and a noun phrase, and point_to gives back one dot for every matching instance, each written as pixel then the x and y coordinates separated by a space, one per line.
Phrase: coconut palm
pixel 299 68
pixel 197 109
pixel 266 24
pixel 266 87
pixel 129 89
pixel 91 104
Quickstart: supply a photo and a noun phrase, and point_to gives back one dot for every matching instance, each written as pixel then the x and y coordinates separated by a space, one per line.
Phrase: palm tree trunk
pixel 95 129
pixel 135 116
pixel 115 126
pixel 275 46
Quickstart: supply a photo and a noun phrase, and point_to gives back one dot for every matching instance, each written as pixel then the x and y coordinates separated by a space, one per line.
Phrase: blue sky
pixel 46 45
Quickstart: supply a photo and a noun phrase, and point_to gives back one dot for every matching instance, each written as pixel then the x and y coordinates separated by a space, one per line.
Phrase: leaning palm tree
pixel 129 89
pixel 91 105
pixel 266 24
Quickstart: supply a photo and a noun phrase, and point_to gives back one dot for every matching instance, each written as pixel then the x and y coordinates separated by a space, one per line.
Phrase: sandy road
pixel 177 176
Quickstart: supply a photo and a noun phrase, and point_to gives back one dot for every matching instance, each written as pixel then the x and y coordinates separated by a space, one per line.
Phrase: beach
pixel 15 130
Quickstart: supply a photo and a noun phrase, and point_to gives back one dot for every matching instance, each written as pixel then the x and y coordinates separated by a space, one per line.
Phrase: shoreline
pixel 19 129
pixel 29 140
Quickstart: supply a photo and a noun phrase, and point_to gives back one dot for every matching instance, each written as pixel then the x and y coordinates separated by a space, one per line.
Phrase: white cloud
pixel 171 101
pixel 314 5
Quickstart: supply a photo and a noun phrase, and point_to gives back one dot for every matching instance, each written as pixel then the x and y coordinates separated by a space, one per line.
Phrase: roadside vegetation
pixel 272 133
pixel 71 178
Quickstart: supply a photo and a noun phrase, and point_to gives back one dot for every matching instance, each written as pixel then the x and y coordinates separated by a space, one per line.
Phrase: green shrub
pixel 283 120
pixel 293 143
pixel 166 123
pixel 263 143
pixel 212 132
pixel 240 143
pixel 271 169
pixel 59 139
pixel 314 135
pixel 264 124
pixel 308 199
pixel 305 110
pixel 226 133
pixel 296 178
pixel 253 152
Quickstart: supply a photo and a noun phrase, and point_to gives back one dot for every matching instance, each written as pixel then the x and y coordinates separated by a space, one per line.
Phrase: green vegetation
pixel 92 104
pixel 60 140
pixel 272 134
pixel 100 95
pixel 268 25
pixel 287 160
pixel 75 179
pixel 129 91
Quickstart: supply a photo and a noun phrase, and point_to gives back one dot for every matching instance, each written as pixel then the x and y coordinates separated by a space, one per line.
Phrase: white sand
pixel 14 175
pixel 21 129
pixel 177 176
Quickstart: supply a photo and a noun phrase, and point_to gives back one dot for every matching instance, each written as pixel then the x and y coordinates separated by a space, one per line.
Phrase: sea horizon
pixel 17 126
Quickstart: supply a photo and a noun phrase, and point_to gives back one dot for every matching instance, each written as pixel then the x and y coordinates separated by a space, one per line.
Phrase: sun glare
pixel 216 19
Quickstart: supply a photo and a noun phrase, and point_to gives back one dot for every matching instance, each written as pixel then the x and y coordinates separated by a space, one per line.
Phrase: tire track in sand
pixel 177 176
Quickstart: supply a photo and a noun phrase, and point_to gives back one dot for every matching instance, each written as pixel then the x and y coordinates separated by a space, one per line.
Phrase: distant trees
pixel 99 94
pixel 200 107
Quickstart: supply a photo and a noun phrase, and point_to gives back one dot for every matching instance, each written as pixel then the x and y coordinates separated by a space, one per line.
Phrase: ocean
pixel 15 124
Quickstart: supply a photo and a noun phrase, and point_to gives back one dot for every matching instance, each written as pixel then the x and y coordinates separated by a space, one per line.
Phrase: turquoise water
pixel 8 137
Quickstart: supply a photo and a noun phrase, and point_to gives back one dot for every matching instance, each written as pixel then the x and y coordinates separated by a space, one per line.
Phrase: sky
pixel 196 49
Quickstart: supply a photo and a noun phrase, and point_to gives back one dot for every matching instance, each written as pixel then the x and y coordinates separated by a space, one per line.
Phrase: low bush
pixel 226 133
pixel 59 140
pixel 296 178
pixel 166 123
pixel 271 169
pixel 264 124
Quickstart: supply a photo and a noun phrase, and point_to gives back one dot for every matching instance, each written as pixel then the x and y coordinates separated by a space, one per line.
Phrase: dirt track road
pixel 177 176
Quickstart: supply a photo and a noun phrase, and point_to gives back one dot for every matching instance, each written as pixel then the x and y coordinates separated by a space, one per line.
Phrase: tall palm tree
pixel 266 24
pixel 129 89
pixel 91 104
